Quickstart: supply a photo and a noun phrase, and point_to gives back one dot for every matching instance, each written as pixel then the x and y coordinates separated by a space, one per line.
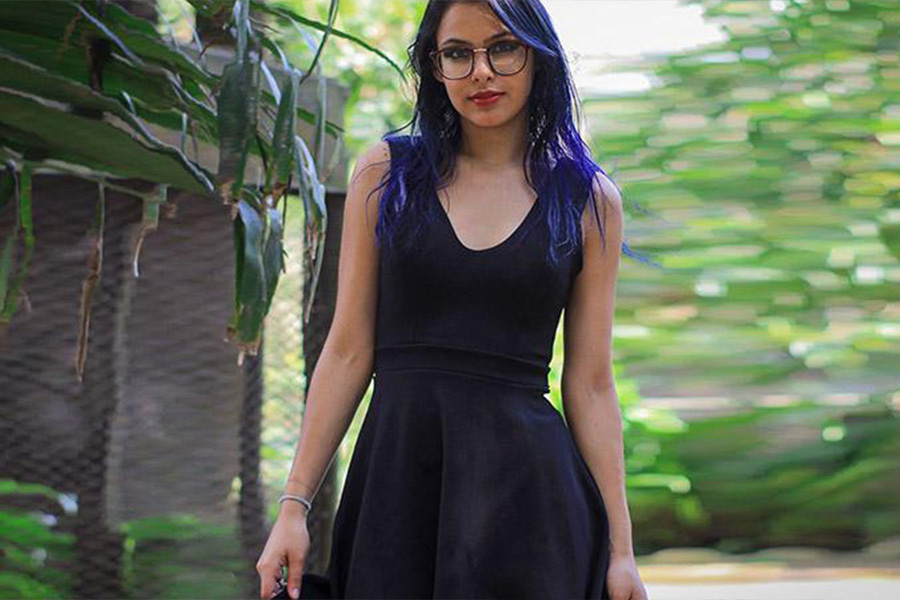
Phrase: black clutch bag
pixel 312 586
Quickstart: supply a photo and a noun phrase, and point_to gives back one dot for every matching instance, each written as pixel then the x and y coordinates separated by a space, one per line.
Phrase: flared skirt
pixel 462 486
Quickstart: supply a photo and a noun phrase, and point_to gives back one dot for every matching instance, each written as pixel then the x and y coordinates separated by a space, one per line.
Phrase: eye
pixel 504 47
pixel 456 53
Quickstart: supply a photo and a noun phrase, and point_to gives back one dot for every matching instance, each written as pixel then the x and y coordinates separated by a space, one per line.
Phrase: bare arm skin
pixel 341 376
pixel 589 394
pixel 590 401
pixel 345 366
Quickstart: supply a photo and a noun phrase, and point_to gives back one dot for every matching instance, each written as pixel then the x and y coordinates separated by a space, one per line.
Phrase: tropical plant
pixel 109 79
pixel 33 551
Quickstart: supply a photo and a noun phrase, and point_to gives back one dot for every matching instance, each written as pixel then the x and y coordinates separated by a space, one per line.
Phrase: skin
pixel 488 174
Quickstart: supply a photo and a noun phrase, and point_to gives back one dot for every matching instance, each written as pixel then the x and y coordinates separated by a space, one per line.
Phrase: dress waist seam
pixel 389 347
pixel 439 357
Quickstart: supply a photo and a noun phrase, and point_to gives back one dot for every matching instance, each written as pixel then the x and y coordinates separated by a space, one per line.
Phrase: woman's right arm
pixel 341 375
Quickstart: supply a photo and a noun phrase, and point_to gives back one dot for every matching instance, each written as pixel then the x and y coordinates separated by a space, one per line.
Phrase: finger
pixel 266 586
pixel 637 593
pixel 268 578
pixel 295 576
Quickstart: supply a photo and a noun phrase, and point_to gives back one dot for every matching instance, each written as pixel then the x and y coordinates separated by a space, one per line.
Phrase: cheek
pixel 526 88
pixel 523 89
pixel 458 94
pixel 528 80
pixel 456 90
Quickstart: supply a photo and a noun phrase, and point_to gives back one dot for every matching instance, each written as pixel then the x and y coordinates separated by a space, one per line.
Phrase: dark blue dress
pixel 465 481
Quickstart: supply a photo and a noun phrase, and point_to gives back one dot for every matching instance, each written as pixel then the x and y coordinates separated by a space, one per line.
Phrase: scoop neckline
pixel 506 241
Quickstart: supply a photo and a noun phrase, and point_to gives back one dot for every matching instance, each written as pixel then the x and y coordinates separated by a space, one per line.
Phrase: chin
pixel 488 120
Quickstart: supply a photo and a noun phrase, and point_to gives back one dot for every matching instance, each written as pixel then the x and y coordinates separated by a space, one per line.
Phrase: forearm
pixel 595 421
pixel 337 386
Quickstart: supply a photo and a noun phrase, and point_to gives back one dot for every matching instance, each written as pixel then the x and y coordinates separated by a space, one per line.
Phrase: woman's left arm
pixel 590 401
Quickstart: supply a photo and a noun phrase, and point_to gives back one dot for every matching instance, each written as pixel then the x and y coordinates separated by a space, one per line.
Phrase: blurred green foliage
pixel 801 475
pixel 171 556
pixel 33 554
pixel 769 166
pixel 178 556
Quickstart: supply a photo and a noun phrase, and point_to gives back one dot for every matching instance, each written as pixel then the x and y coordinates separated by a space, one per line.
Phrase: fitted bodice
pixel 492 311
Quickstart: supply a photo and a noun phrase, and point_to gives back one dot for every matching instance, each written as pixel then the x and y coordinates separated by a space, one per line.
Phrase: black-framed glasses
pixel 506 57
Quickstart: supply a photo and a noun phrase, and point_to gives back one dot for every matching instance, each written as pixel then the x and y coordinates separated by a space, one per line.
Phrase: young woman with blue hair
pixel 465 481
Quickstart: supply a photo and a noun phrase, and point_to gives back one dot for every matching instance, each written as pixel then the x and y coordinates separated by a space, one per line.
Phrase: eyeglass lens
pixel 505 58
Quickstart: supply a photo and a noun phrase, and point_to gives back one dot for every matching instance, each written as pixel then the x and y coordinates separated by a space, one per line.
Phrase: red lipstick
pixel 485 98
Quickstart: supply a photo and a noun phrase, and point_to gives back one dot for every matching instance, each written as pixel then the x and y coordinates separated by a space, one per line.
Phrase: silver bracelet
pixel 300 499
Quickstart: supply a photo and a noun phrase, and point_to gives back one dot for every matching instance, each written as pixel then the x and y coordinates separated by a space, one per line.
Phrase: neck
pixel 495 147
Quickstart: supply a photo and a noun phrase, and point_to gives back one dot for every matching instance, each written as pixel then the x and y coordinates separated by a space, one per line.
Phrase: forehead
pixel 473 22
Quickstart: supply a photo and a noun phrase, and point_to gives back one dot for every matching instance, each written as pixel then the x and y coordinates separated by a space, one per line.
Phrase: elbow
pixel 352 354
pixel 590 395
pixel 596 408
pixel 595 384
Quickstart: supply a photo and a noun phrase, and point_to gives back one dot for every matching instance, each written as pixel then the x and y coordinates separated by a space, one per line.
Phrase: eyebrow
pixel 493 37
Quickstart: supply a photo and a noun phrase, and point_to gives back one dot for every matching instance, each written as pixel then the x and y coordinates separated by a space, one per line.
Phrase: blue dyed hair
pixel 560 161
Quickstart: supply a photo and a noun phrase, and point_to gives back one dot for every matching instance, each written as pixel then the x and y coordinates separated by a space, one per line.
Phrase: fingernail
pixel 295 593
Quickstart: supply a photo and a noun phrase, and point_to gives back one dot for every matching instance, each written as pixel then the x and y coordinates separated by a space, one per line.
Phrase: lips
pixel 484 95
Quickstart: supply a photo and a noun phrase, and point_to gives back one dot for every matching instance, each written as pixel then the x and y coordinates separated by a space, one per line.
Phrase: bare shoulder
pixel 606 197
pixel 608 188
pixel 371 167
pixel 372 164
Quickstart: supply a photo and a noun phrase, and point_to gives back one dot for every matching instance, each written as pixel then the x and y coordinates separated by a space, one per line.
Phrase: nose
pixel 482 67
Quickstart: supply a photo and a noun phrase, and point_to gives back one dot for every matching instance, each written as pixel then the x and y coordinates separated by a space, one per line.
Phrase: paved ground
pixel 776 574
pixel 837 589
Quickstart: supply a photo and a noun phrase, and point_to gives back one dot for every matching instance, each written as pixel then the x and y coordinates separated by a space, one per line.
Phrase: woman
pixel 465 481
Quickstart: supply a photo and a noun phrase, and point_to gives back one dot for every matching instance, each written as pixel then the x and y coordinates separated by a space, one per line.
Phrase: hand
pixel 287 546
pixel 623 581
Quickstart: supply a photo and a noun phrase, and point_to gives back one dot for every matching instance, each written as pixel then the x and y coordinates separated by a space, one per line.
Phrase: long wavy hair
pixel 422 161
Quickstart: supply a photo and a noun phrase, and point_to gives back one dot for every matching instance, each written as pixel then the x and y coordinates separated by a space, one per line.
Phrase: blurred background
pixel 148 417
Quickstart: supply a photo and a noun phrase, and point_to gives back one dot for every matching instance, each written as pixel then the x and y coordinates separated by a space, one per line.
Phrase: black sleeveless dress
pixel 465 482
